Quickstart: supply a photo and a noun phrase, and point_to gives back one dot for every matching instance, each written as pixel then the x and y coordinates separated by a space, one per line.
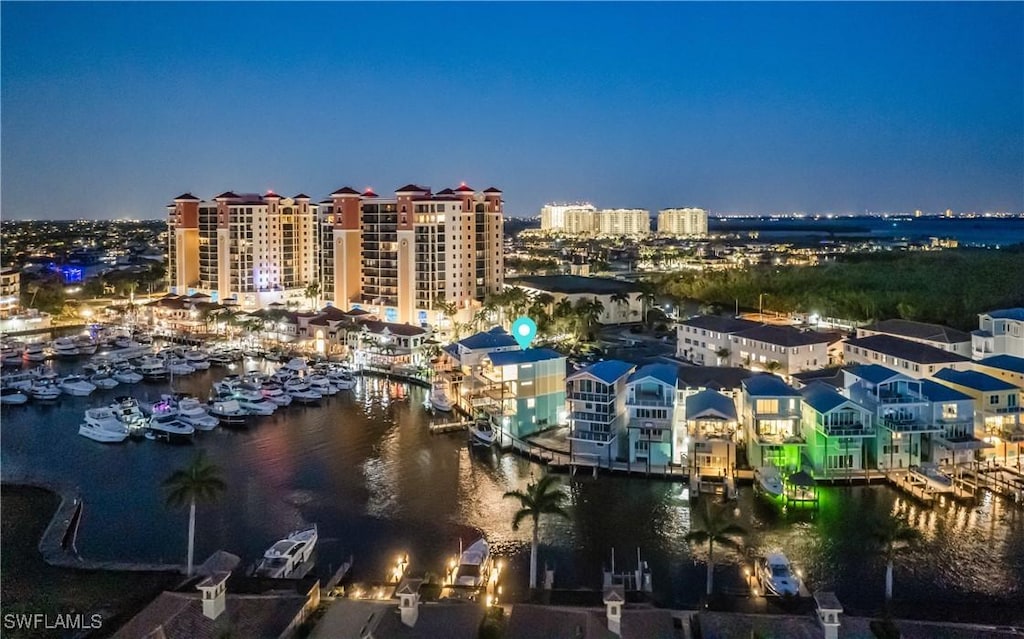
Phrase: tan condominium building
pixel 687 221
pixel 414 256
pixel 250 248
pixel 577 219
pixel 624 222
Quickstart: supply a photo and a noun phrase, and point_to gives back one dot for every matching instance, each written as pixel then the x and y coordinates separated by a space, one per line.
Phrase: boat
pixel 220 359
pixel 191 411
pixel 474 563
pixel 932 477
pixel 776 576
pixel 64 347
pixel 343 380
pixel 125 374
pixel 482 431
pixel 77 385
pixel 127 411
pixel 439 399
pixel 274 393
pixel 769 479
pixel 295 364
pixel 103 380
pixel 102 425
pixel 199 360
pixel 153 369
pixel 301 392
pixel 284 559
pixel 12 354
pixel 35 352
pixel 261 406
pixel 169 428
pixel 12 396
pixel 44 389
pixel 85 345
pixel 322 384
pixel 229 412
pixel 178 366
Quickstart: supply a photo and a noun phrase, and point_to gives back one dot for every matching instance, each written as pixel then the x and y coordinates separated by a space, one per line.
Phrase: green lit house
pixel 527 390
pixel 771 422
pixel 838 432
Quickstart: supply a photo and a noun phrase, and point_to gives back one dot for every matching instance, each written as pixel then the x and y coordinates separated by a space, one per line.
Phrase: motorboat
pixel 77 385
pixel 85 345
pixel 129 413
pixel 473 566
pixel 35 352
pixel 439 399
pixel 323 385
pixel 169 428
pixel 153 369
pixel 12 355
pixel 274 393
pixel 12 396
pixel 229 412
pixel 102 425
pixel 197 359
pixel 44 389
pixel 227 384
pixel 284 559
pixel 343 380
pixel 295 364
pixel 482 431
pixel 220 358
pixel 301 392
pixel 103 381
pixel 125 374
pixel 769 479
pixel 776 576
pixel 64 347
pixel 191 411
pixel 261 406
pixel 178 366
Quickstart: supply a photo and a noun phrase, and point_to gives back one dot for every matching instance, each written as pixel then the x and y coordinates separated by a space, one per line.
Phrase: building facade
pixel 635 222
pixel 999 333
pixel 597 412
pixel 10 291
pixel 578 218
pixel 686 222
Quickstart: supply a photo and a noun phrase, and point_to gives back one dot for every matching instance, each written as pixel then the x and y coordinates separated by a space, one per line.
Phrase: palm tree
pixel 773 366
pixel 200 481
pixel 892 535
pixel 712 525
pixel 313 293
pixel 540 498
pixel 723 353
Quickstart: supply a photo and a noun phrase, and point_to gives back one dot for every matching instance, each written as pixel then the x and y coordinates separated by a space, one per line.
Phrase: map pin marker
pixel 524 330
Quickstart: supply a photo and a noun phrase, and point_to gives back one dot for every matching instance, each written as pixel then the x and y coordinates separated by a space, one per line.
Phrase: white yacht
pixel 125 374
pixel 77 385
pixel 482 431
pixel 301 392
pixel 343 380
pixel 129 413
pixel 295 364
pixel 12 396
pixel 103 380
pixel 169 428
pixel 261 406
pixel 102 425
pixel 64 347
pixel 229 412
pixel 85 345
pixel 220 358
pixel 777 576
pixel 285 557
pixel 322 385
pixel 12 354
pixel 192 412
pixel 197 359
pixel 44 389
pixel 274 393
pixel 35 352
pixel 769 479
pixel 439 398
pixel 178 366
pixel 474 564
pixel 153 369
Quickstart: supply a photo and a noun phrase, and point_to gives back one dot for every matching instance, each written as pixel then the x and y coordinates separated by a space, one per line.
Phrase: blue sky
pixel 110 110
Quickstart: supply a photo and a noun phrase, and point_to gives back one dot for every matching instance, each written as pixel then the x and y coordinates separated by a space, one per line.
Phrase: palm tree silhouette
pixel 200 481
pixel 544 497
pixel 714 525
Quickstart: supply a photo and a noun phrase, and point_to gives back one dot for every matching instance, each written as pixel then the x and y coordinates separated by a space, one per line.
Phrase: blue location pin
pixel 524 330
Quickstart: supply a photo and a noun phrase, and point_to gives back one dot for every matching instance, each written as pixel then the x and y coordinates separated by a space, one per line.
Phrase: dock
pixel 449 427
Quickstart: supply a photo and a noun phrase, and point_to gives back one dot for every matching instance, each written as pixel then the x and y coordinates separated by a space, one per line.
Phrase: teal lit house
pixel 526 389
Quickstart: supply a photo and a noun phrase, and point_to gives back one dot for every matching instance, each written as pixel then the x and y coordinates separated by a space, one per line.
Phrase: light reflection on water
pixel 365 468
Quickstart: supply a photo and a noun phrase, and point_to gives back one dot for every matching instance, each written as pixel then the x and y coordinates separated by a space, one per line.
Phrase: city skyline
pixel 731 108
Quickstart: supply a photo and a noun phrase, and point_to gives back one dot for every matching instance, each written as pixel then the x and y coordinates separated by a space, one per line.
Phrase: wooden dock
pixel 450 427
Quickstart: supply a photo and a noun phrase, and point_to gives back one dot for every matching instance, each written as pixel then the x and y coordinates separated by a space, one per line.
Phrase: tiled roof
pixel 300 196
pixel 768 385
pixel 937 392
pixel 492 189
pixel 874 373
pixel 175 615
pixel 575 284
pixel 1004 362
pixel 186 196
pixel 446 192
pixel 832 376
pixel 783 336
pixel 973 380
pixel 413 188
pixel 530 621
pixel 530 355
pixel 719 324
pixel 346 190
pixel 463 188
pixel 709 401
pixel 905 349
pixel 497 337
pixel 608 371
pixel 407 330
pixel 665 373
pixel 226 194
pixel 713 377
pixel 822 397
pixel 382 620
pixel 920 330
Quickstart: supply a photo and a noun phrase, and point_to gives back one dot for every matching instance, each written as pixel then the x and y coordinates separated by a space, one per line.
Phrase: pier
pixel 450 427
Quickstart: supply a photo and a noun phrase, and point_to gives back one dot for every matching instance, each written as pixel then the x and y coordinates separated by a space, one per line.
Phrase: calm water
pixel 364 467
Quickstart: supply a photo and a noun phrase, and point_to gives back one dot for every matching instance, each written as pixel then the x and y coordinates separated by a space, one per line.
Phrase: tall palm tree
pixel 200 481
pixel 313 293
pixel 773 366
pixel 891 536
pixel 714 525
pixel 544 497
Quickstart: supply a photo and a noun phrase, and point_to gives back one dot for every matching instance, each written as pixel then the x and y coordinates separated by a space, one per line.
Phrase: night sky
pixel 111 110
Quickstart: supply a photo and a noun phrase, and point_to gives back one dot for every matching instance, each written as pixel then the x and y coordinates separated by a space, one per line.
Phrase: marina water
pixel 364 467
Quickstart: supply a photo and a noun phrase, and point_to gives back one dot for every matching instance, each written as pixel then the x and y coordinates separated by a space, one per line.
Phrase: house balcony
pixel 596 398
pixel 591 436
pixel 848 430
pixel 650 400
pixel 592 418
pixel 778 439
pixel 885 399
pixel 909 425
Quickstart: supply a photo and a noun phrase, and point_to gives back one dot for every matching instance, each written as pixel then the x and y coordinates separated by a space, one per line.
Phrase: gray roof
pixel 574 284
pixel 822 397
pixel 347 618
pixel 529 621
pixel 608 371
pixel 720 324
pixel 785 336
pixel 768 385
pixel 920 330
pixel 177 615
pixel 665 373
pixel 832 376
pixel 709 402
pixel 905 349
pixel 714 377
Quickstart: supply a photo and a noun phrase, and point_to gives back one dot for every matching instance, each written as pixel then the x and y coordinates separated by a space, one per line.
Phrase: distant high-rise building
pixel 687 221
pixel 624 222
pixel 575 218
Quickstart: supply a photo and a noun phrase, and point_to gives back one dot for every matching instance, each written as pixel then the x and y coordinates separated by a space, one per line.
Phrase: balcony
pixel 900 398
pixel 778 439
pixel 848 430
pixel 592 418
pixel 597 398
pixel 638 399
pixel 909 424
pixel 591 436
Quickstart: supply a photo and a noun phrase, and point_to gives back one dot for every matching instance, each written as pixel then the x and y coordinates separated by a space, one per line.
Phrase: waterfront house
pixel 704 339
pixel 460 363
pixel 771 412
pixel 954 412
pixel 837 431
pixel 999 415
pixel 525 389
pixel 650 404
pixel 937 335
pixel 914 359
pixel 999 333
pixel 597 412
pixel 387 346
pixel 1006 367
pixel 711 427
pixel 782 349
pixel 900 410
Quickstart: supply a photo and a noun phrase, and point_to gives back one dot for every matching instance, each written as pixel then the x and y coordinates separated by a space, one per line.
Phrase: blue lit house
pixel 525 392
pixel 597 412
pixel 650 403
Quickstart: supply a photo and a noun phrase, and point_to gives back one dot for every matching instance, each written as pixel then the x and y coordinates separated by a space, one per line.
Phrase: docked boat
pixel 284 559
pixel 323 385
pixel 167 427
pixel 220 358
pixel 102 425
pixel 125 374
pixel 44 389
pixel 769 479
pixel 103 381
pixel 129 413
pixel 12 396
pixel 198 360
pixel 178 366
pixel 85 345
pixel 191 411
pixel 35 352
pixel 274 393
pixel 229 412
pixel 77 385
pixel 482 431
pixel 261 406
pixel 64 347
pixel 439 399
pixel 343 380
pixel 295 364
pixel 776 576
pixel 301 392
pixel 12 355
pixel 473 566
pixel 153 369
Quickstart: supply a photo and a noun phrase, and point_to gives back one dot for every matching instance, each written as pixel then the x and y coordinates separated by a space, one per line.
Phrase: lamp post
pixel 760 306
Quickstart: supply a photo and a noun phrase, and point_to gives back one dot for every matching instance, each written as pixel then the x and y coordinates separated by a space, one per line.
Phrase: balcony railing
pixel 849 430
pixel 647 400
pixel 594 418
pixel 591 436
pixel 597 398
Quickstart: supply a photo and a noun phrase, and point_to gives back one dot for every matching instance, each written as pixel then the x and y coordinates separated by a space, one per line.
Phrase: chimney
pixel 829 609
pixel 613 601
pixel 214 589
pixel 409 601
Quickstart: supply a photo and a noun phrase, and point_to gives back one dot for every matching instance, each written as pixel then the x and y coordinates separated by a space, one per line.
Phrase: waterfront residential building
pixel 634 222
pixel 998 405
pixel 576 219
pixel 781 349
pixel 526 389
pixel 914 359
pixel 704 339
pixel 901 414
pixel 597 412
pixel 771 413
pixel 460 367
pixel 388 346
pixel 254 249
pixel 687 222
pixel 999 333
pixel 954 412
pixel 1006 367
pixel 711 427
pixel 620 300
pixel 943 337
pixel 10 291
pixel 837 431
pixel 650 404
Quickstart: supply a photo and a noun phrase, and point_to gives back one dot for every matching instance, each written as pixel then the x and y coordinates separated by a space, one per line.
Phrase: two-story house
pixel 914 359
pixel 650 403
pixel 937 335
pixel 771 413
pixel 704 339
pixel 954 412
pixel 597 412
